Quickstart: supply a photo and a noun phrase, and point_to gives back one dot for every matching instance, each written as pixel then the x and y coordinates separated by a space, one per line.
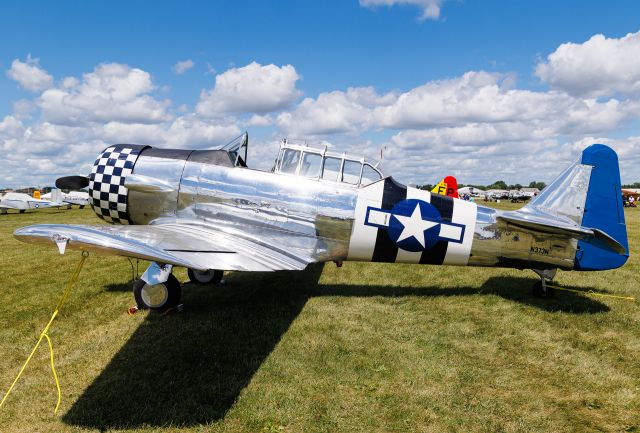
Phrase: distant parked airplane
pixel 207 211
pixel 79 198
pixel 22 202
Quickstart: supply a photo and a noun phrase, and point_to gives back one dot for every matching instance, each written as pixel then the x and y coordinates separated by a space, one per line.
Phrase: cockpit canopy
pixel 317 163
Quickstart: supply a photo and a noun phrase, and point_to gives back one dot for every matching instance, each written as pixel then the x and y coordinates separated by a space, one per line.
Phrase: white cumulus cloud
pixel 598 67
pixel 468 99
pixel 473 97
pixel 463 123
pixel 252 89
pixel 182 66
pixel 30 75
pixel 478 126
pixel 10 126
pixel 333 112
pixel 257 120
pixel 430 8
pixel 61 131
pixel 476 105
pixel 193 132
pixel 112 92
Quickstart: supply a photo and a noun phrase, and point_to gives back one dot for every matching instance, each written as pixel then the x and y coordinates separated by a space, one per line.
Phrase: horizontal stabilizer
pixel 550 224
pixel 603 239
pixel 545 225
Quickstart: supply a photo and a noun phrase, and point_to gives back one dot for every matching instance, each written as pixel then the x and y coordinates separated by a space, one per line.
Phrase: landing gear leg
pixel 540 288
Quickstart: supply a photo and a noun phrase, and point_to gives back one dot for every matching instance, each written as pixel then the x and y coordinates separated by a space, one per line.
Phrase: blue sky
pixel 416 82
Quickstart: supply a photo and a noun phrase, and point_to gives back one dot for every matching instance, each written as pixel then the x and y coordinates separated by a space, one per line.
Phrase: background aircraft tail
pixel 56 195
pixel 588 193
pixel 447 186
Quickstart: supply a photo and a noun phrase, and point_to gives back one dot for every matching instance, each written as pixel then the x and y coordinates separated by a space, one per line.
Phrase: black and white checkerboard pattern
pixel 106 182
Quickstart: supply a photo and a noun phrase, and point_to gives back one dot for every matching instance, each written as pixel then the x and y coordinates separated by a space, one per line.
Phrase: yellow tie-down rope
pixel 45 334
pixel 591 292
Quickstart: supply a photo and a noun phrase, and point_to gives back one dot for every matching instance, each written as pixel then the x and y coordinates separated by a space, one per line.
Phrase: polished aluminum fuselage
pixel 235 199
pixel 501 244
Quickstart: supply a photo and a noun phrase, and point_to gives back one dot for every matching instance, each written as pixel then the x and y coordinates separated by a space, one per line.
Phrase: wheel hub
pixel 154 295
pixel 204 276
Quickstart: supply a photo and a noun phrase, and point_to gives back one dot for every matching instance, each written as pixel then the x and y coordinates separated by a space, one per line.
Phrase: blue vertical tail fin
pixel 603 210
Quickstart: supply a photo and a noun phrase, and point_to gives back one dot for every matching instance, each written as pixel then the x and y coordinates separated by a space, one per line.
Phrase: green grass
pixel 365 347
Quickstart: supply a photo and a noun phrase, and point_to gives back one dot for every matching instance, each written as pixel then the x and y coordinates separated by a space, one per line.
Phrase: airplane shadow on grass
pixel 189 369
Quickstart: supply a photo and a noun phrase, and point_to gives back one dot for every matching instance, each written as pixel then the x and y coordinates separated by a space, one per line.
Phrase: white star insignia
pixel 414 226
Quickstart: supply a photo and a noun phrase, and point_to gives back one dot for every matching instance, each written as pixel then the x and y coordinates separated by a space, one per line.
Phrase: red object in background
pixel 452 186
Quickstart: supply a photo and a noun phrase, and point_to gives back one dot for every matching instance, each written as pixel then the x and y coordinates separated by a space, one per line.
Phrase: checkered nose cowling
pixel 106 182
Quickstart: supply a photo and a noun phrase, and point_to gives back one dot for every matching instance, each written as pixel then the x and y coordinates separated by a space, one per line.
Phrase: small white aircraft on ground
pixel 79 198
pixel 22 202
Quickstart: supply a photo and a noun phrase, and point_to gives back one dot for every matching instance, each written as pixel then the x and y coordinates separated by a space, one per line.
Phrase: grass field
pixel 365 347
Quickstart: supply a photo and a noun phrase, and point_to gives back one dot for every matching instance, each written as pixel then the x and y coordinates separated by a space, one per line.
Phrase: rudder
pixel 603 210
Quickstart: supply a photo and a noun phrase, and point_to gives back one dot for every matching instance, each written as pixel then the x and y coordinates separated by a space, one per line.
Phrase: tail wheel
pixel 541 290
pixel 157 297
pixel 211 276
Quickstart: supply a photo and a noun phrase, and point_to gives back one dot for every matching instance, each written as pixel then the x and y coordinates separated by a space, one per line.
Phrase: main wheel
pixel 211 276
pixel 157 297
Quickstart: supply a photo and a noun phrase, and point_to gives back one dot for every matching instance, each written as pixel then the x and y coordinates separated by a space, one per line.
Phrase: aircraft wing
pixel 193 246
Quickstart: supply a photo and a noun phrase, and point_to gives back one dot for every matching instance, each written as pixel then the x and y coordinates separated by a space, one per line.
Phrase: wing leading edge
pixel 192 246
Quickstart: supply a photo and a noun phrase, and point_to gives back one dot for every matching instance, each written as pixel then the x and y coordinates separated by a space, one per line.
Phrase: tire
pixel 539 292
pixel 81 206
pixel 212 276
pixel 537 289
pixel 22 210
pixel 159 297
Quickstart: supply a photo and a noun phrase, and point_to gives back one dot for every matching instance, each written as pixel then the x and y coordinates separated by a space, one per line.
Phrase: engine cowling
pixel 120 194
pixel 108 195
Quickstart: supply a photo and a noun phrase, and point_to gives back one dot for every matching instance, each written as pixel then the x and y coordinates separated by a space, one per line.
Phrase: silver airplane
pixel 79 198
pixel 23 202
pixel 206 211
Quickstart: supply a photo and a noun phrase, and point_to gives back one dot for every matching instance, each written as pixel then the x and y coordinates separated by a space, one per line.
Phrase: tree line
pixel 632 185
pixel 498 184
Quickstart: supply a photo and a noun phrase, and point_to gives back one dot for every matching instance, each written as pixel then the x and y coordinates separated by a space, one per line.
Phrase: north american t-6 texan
pixel 207 211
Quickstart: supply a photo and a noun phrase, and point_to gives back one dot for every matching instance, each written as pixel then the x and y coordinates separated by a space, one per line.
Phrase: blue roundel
pixel 414 225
